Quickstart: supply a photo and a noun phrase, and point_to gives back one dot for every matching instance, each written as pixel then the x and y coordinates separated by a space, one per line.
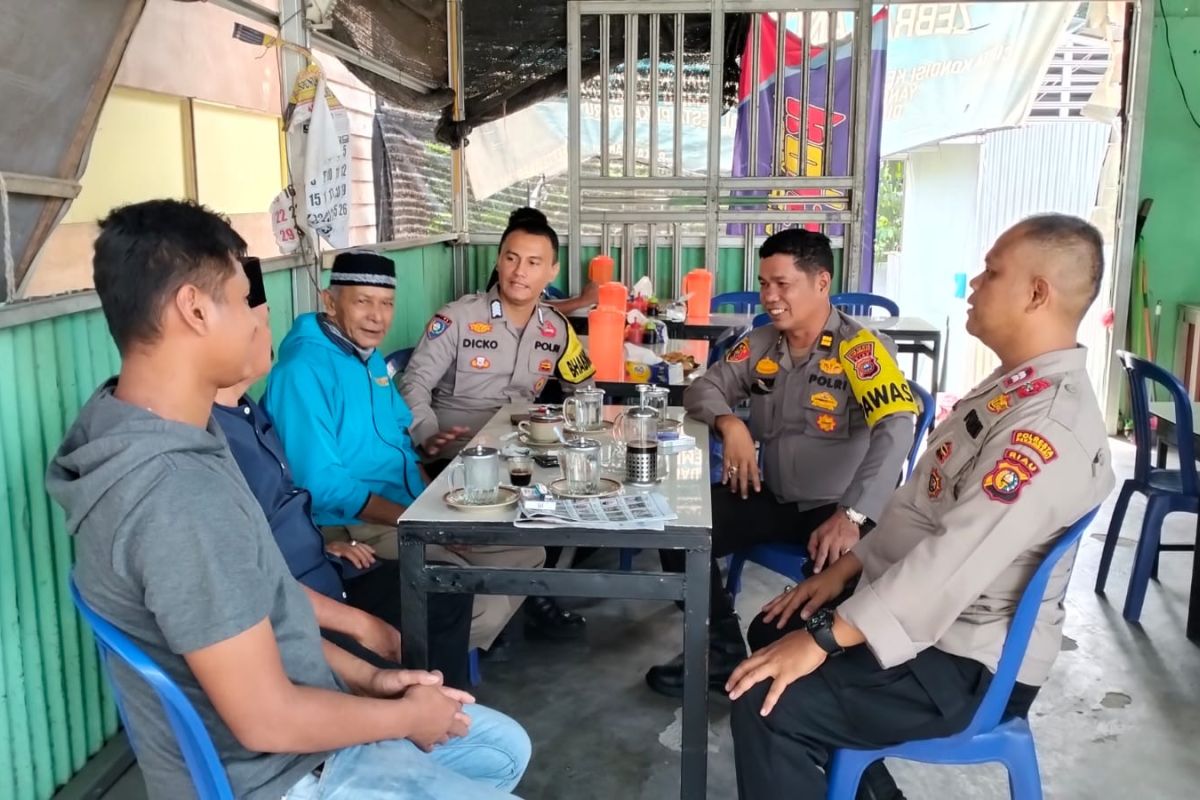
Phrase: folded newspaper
pixel 623 512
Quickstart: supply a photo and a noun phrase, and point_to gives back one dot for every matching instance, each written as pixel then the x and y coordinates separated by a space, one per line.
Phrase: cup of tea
pixel 542 426
pixel 584 410
pixel 520 469
pixel 478 469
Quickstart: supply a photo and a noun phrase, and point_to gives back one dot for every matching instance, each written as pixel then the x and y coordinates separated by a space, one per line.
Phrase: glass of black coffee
pixel 520 470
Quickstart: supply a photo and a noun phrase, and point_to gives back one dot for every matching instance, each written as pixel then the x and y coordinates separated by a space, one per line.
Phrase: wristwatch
pixel 820 625
pixel 855 517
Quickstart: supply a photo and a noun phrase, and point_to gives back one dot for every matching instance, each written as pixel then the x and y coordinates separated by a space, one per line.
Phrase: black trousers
pixel 850 701
pixel 378 592
pixel 739 524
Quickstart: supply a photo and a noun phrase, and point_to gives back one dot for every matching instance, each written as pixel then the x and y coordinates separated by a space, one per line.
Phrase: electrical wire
pixel 1175 70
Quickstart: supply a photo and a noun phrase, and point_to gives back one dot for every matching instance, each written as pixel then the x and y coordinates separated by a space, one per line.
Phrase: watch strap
pixel 823 635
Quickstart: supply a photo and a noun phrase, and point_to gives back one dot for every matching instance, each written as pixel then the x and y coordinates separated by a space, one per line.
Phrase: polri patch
pixel 437 326
pixel 739 353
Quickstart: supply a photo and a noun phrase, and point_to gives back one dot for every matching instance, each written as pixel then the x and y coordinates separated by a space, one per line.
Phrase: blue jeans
pixel 483 765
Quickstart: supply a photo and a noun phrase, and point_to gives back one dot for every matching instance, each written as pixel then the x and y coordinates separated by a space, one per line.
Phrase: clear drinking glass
pixel 581 466
pixel 480 471
pixel 654 397
pixel 584 410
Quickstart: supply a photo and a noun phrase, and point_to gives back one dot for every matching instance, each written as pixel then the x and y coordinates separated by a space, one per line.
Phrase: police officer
pixel 489 349
pixel 1023 456
pixel 834 416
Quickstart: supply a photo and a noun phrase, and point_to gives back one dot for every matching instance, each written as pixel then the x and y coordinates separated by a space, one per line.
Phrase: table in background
pixel 714 328
pixel 430 521
pixel 913 336
pixel 1164 412
pixel 626 389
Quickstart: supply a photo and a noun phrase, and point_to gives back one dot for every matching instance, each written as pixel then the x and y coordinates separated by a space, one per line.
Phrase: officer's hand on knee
pixel 808 598
pixel 783 661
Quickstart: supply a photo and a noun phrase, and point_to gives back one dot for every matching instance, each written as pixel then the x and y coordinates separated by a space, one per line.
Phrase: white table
pixel 430 521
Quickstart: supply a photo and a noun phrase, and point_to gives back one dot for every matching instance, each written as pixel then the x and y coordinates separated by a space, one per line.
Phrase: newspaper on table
pixel 648 511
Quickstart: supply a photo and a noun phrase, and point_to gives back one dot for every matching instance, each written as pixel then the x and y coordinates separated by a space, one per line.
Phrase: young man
pixel 834 416
pixel 174 550
pixel 355 595
pixel 910 655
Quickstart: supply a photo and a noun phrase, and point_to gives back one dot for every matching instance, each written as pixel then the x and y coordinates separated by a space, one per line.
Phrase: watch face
pixel 821 619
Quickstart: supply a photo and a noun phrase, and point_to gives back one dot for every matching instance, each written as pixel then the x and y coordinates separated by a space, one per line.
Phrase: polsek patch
pixel 437 326
pixel 739 353
pixel 1035 442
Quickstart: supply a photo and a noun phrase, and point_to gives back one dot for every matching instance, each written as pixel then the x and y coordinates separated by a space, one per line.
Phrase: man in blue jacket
pixel 345 430
pixel 355 597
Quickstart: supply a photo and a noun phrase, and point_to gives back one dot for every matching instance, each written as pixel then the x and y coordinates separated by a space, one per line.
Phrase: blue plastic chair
pixel 474 675
pixel 553 293
pixel 989 737
pixel 742 302
pixel 788 559
pixel 1166 490
pixel 760 320
pixel 398 361
pixel 860 303
pixel 207 773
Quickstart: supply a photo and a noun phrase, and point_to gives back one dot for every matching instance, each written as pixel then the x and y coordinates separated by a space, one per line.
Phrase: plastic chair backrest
pixel 859 304
pixel 742 302
pixel 991 710
pixel 398 361
pixel 924 420
pixel 207 773
pixel 1139 371
pixel 762 319
pixel 553 292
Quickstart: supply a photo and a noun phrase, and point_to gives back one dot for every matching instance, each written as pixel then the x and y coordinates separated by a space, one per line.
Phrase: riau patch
pixel 1005 481
pixel 1037 443
pixel 824 400
pixel 943 452
pixel 497 309
pixel 934 488
pixel 480 327
pixel 480 362
pixel 1018 377
pixel 766 366
pixel 739 353
pixel 1033 387
pixel 548 330
pixel 546 366
pixel 1023 461
pixel 382 381
pixel 862 357
pixel 1000 403
pixel 437 326
pixel 830 366
pixel 827 423
pixel 974 426
pixel 826 341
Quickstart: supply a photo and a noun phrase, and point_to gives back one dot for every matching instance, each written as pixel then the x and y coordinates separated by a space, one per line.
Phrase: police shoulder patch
pixel 876 381
pixel 1035 442
pixel 739 352
pixel 1005 481
pixel 574 365
pixel 437 326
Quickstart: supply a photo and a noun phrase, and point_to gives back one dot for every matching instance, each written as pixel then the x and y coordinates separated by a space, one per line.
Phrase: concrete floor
pixel 1120 717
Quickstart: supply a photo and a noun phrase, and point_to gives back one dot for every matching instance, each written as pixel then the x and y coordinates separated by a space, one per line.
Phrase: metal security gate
pixel 635 184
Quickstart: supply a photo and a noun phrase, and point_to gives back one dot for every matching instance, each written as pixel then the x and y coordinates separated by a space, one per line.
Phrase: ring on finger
pixel 353 543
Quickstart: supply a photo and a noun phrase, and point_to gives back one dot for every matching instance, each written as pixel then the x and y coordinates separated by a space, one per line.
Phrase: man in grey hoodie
pixel 173 549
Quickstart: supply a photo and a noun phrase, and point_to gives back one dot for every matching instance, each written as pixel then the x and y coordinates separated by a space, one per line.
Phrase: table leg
pixel 1193 619
pixel 694 759
pixel 1160 460
pixel 935 382
pixel 414 617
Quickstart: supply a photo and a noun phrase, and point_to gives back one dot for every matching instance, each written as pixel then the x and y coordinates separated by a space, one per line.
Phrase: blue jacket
pixel 288 508
pixel 343 424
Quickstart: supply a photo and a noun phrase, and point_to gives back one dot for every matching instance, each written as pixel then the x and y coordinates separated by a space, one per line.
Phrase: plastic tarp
pixel 57 64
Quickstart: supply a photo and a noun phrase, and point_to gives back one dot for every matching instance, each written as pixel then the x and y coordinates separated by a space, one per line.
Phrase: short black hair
pixel 146 251
pixel 526 220
pixel 811 252
pixel 1067 232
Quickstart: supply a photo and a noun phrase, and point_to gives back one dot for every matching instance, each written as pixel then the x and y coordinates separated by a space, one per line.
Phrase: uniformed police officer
pixel 834 416
pixel 1022 457
pixel 493 348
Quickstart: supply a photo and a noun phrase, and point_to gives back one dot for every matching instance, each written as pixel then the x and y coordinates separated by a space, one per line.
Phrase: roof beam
pixel 39 185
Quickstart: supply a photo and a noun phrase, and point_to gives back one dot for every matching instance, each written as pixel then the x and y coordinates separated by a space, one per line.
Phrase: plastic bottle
pixel 698 284
pixel 600 269
pixel 612 295
pixel 606 348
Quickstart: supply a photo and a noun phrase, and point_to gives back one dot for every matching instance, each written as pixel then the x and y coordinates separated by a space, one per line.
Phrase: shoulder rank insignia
pixel 739 353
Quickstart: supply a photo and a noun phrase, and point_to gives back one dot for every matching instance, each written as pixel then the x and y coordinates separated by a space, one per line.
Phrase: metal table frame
pixel 692 587
pixel 1165 435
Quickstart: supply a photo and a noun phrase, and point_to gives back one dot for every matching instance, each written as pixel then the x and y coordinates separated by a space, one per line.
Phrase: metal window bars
pixel 654 201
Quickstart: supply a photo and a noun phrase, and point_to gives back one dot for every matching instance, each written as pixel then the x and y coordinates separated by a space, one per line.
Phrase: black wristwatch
pixel 820 625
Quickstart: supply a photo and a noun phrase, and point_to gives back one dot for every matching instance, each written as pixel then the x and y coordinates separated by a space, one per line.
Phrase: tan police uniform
pixel 1022 457
pixel 472 360
pixel 469 363
pixel 835 427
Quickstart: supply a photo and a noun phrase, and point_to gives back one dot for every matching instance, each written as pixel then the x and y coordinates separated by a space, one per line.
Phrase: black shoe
pixel 544 619
pixel 726 650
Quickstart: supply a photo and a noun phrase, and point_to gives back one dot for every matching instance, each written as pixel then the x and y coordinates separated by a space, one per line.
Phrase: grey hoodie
pixel 173 549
